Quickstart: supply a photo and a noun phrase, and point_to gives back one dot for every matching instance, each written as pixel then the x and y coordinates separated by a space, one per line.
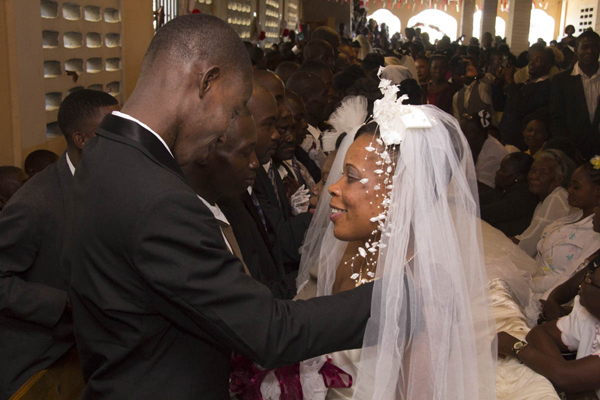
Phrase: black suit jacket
pixel 521 100
pixel 570 116
pixel 288 231
pixel 33 294
pixel 510 211
pixel 159 301
pixel 257 251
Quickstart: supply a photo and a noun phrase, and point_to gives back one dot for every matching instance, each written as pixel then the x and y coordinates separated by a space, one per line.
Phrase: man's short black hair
pixel 373 61
pixel 539 47
pixel 314 67
pixel 587 34
pixel 38 160
pixel 327 34
pixel 194 37
pixel 80 106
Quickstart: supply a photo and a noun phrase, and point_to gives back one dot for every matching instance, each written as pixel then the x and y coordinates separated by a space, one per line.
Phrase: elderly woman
pixel 510 206
pixel 548 179
pixel 566 242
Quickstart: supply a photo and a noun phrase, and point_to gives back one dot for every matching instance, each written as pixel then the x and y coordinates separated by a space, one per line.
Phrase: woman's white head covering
pixel 430 335
pixel 396 74
pixel 365 47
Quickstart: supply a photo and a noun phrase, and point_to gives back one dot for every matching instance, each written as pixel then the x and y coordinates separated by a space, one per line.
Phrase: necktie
pixel 298 172
pixel 259 210
pixel 228 233
pixel 271 174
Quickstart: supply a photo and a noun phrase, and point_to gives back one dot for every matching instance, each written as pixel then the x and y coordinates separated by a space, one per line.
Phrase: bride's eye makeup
pixel 352 173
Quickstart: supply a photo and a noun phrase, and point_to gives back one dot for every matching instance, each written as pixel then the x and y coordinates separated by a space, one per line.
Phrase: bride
pixel 401 209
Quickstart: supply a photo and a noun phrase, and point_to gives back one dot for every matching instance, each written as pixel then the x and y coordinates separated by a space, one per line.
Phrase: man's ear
pixel 206 79
pixel 79 140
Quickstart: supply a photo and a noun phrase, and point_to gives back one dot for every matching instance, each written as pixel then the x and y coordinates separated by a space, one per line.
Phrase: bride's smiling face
pixel 354 203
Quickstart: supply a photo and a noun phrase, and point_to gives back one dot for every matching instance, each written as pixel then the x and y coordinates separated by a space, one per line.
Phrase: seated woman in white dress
pixel 404 212
pixel 548 179
pixel 578 332
pixel 568 241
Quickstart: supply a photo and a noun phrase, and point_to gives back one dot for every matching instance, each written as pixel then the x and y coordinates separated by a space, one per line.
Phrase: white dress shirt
pixel 591 88
pixel 484 87
pixel 554 207
pixel 489 160
pixel 70 164
pixel 580 331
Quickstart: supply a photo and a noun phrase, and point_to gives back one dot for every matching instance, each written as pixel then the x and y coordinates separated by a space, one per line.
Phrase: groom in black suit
pixel 574 100
pixel 158 299
pixel 35 316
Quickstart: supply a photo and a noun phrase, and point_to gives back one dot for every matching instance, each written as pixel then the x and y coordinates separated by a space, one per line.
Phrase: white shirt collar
pixel 216 211
pixel 267 166
pixel 129 117
pixel 70 164
pixel 578 71
pixel 541 79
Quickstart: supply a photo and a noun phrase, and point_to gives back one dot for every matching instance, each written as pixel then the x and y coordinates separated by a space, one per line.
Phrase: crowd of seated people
pixel 532 132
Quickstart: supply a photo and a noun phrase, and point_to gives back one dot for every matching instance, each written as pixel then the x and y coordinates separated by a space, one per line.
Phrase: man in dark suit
pixel 519 100
pixel 158 299
pixel 35 317
pixel 223 180
pixel 273 195
pixel 574 99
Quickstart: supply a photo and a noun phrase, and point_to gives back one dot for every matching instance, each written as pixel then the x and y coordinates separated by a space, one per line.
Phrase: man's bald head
pixel 319 69
pixel 11 180
pixel 349 52
pixel 264 109
pixel 286 69
pixel 320 50
pixel 327 34
pixel 296 106
pixel 272 82
pixel 191 38
pixel 196 76
pixel 314 94
pixel 305 85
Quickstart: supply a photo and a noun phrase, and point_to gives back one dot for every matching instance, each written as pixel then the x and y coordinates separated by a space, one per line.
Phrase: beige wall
pixel 136 16
pixel 7 142
pixel 22 115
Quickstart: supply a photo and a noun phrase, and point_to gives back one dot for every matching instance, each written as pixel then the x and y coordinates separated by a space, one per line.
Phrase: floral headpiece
pixel 393 117
pixel 595 161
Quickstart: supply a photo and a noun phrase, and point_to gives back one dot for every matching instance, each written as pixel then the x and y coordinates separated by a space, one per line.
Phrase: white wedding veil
pixel 431 333
pixel 320 246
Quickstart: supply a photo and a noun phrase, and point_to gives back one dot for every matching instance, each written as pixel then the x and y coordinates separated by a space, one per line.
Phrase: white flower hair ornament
pixel 393 117
pixel 349 117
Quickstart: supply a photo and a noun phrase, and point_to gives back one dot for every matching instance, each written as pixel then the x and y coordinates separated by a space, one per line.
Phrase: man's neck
pixel 74 154
pixel 589 70
pixel 149 115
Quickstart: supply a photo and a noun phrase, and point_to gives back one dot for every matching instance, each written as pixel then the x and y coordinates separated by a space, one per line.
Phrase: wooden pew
pixel 61 381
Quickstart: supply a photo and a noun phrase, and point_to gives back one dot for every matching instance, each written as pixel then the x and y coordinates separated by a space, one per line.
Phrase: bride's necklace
pixel 369 274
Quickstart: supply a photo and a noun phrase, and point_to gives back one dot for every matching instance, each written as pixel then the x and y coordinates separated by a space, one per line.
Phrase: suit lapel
pixel 65 179
pixel 263 184
pixel 143 139
pixel 579 94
